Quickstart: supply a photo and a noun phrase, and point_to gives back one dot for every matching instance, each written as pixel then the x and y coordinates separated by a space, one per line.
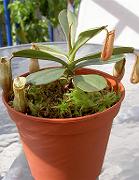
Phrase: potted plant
pixel 64 114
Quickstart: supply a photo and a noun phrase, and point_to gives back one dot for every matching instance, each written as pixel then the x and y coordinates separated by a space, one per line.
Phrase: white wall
pixel 122 15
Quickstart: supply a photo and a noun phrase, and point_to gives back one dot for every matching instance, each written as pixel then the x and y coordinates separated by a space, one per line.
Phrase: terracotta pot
pixel 67 149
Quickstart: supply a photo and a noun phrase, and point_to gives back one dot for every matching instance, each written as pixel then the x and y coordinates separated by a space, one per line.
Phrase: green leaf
pixel 36 54
pixel 90 82
pixel 69 38
pixel 45 76
pixel 53 50
pixel 122 50
pixel 84 37
pixel 72 21
pixel 88 57
pixel 98 61
pixel 116 51
pixel 63 20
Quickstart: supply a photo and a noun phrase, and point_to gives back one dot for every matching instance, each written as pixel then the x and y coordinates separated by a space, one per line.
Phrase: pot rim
pixel 75 119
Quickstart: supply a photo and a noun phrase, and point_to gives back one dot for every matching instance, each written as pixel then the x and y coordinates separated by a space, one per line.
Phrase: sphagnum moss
pixel 54 101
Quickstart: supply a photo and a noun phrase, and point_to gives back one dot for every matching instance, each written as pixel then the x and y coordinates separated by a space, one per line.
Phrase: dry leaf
pixel 119 69
pixel 108 46
pixel 135 72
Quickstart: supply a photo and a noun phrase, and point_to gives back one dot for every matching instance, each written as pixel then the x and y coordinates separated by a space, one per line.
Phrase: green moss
pixel 57 100
pixel 81 103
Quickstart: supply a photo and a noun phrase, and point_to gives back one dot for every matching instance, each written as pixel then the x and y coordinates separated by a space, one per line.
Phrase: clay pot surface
pixel 70 148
